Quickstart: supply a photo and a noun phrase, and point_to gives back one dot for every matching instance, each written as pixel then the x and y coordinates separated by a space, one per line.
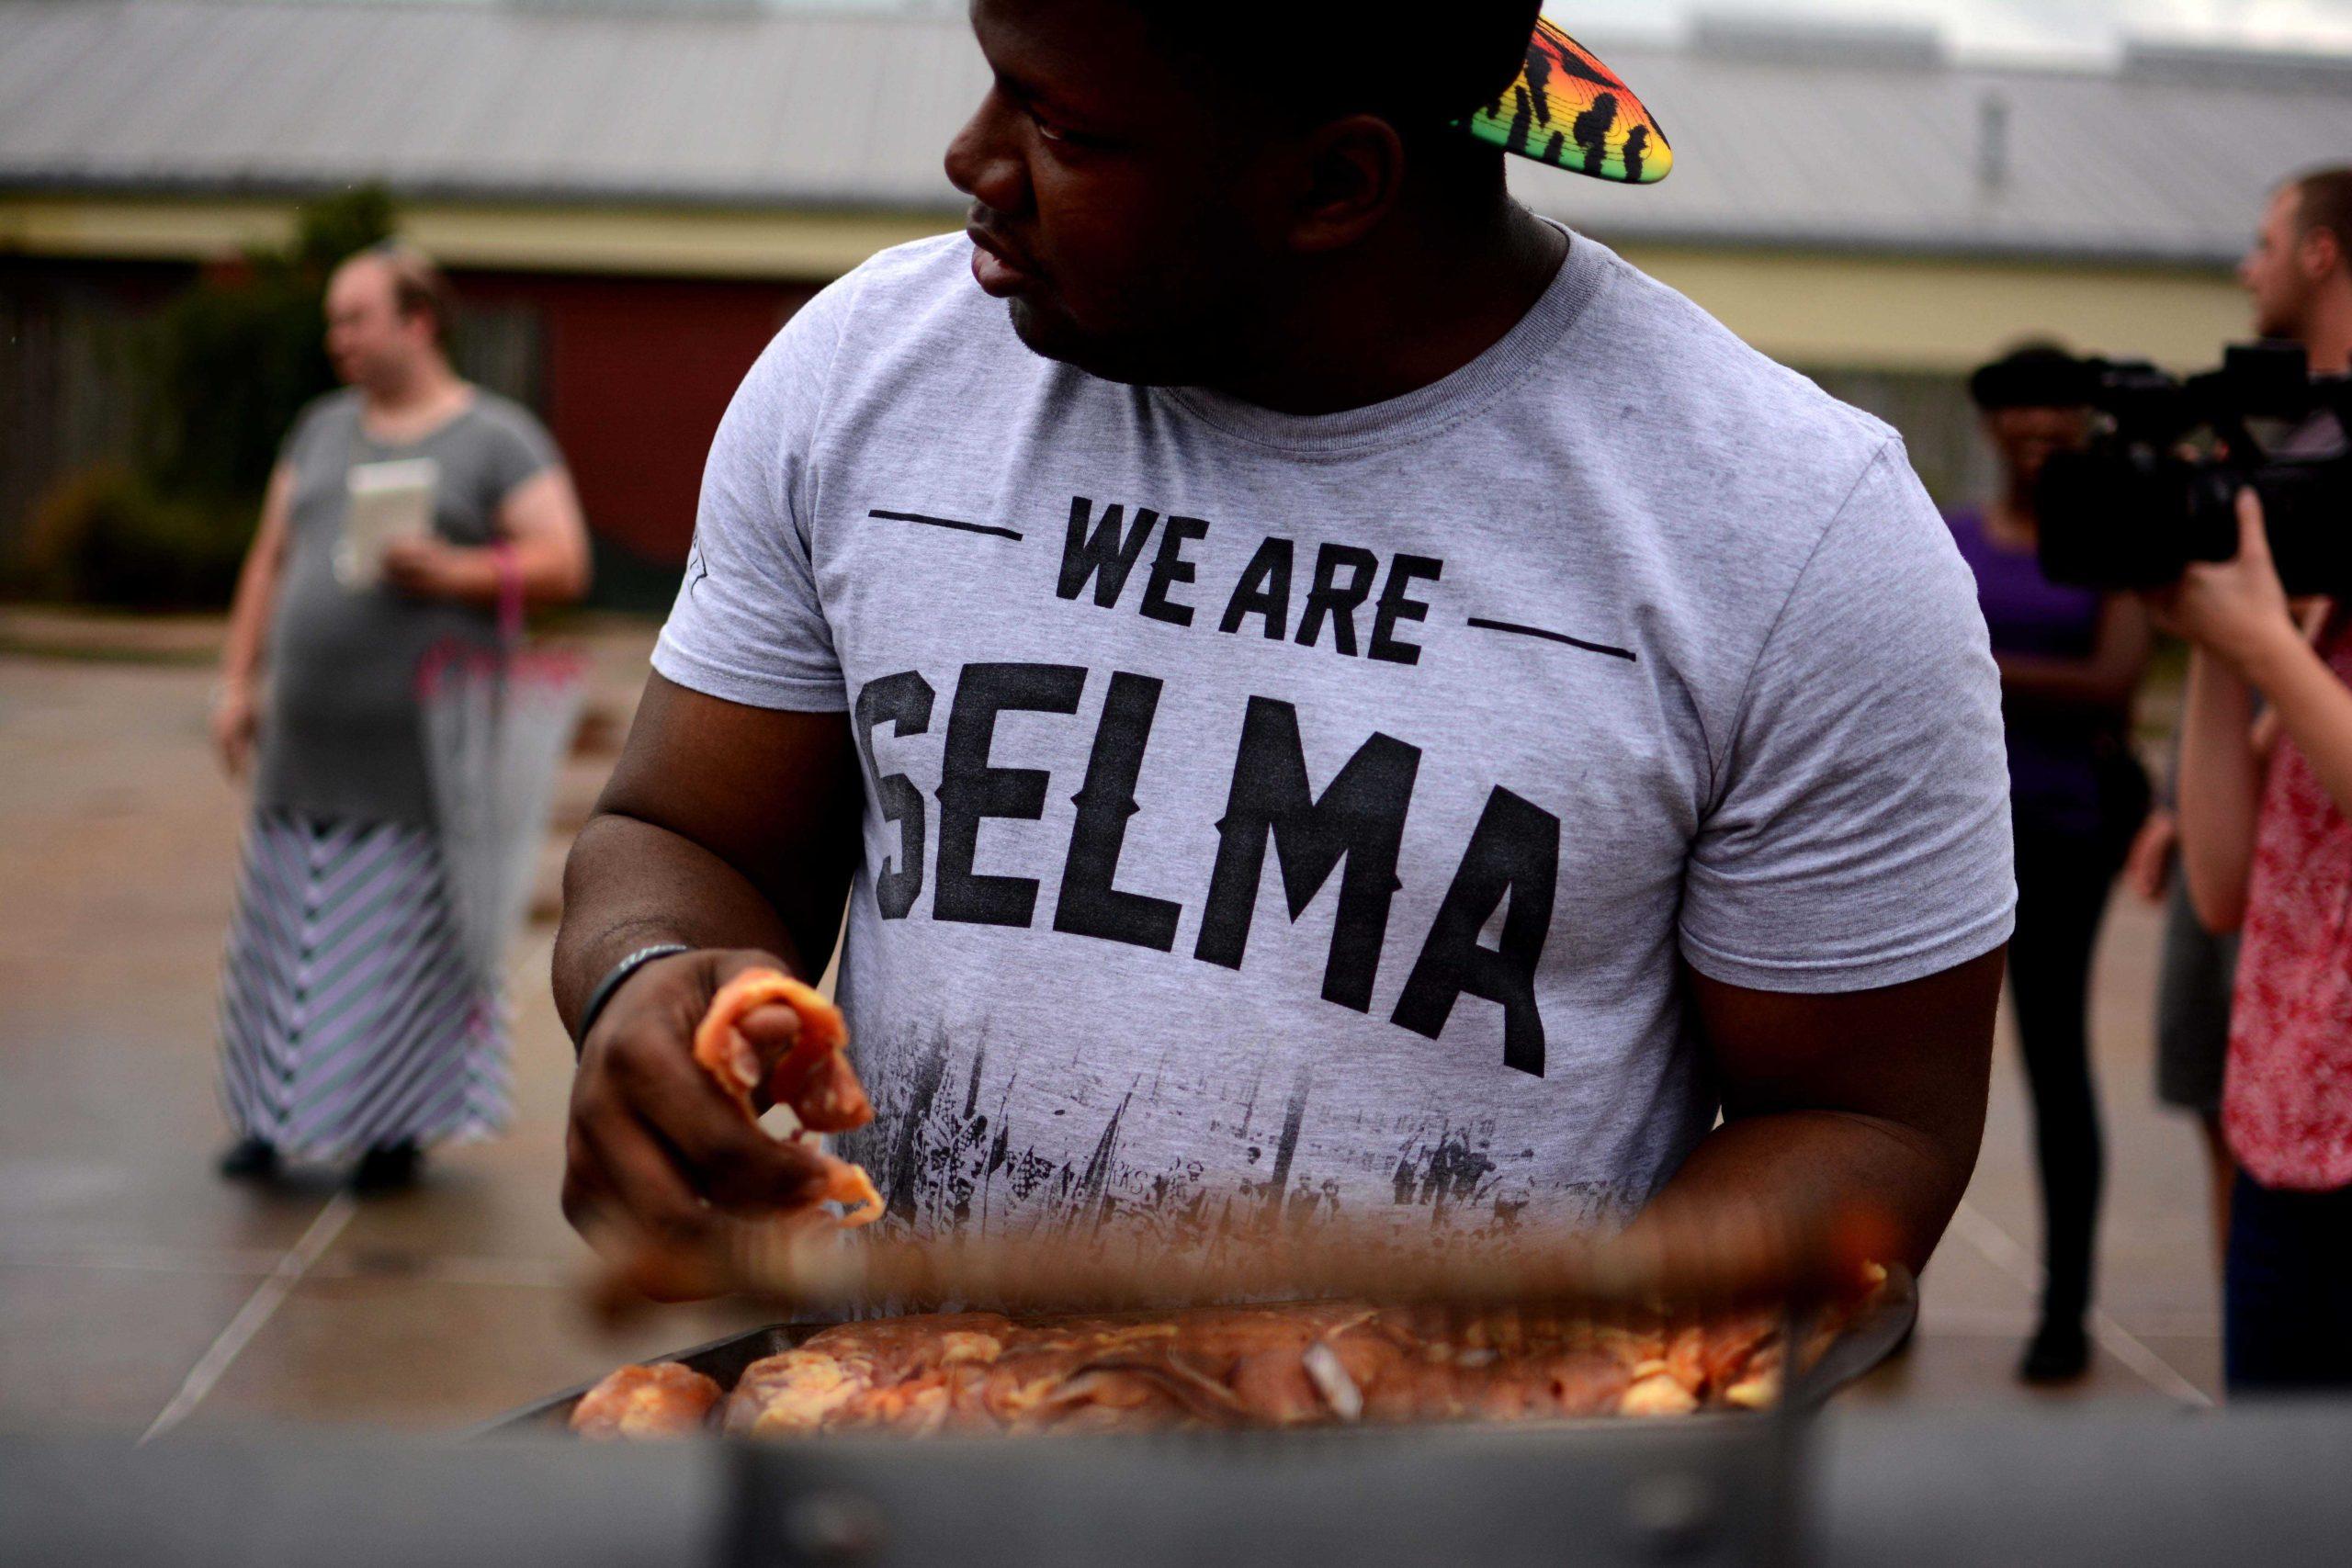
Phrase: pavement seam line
pixel 298 1263
pixel 2005 1253
pixel 2127 1347
pixel 254 1314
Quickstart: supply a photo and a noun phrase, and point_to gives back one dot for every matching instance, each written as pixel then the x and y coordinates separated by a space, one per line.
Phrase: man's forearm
pixel 1866 1108
pixel 630 884
pixel 257 592
pixel 1809 1167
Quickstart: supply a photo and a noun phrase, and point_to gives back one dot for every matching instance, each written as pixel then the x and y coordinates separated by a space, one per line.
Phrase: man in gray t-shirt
pixel 1327 695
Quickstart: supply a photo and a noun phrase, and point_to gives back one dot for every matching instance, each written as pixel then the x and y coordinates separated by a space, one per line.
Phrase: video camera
pixel 2134 509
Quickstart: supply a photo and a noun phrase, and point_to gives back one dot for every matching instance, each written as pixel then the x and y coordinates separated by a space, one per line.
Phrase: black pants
pixel 2290 1290
pixel 2063 880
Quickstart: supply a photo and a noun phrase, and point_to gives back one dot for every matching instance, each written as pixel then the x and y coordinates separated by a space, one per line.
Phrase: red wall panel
pixel 636 373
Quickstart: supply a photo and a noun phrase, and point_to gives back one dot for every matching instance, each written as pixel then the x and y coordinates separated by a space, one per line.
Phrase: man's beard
pixel 1211 328
pixel 2285 323
pixel 1161 359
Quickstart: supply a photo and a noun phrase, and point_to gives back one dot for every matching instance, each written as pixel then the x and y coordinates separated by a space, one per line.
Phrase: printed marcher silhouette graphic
pixel 1566 108
pixel 1591 129
pixel 1538 77
pixel 1636 148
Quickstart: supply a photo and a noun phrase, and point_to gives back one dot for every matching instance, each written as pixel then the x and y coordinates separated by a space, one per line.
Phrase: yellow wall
pixel 1858 313
pixel 694 244
pixel 1881 314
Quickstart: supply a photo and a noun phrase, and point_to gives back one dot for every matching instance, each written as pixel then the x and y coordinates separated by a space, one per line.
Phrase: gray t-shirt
pixel 1267 810
pixel 341 739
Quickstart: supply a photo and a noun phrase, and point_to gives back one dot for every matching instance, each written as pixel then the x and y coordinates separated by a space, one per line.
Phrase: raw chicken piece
pixel 827 1098
pixel 664 1400
pixel 814 1079
pixel 1658 1395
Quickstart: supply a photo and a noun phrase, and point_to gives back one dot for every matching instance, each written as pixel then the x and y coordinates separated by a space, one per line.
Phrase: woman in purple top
pixel 2071 660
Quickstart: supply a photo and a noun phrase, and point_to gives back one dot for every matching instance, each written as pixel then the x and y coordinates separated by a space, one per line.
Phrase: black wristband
pixel 614 979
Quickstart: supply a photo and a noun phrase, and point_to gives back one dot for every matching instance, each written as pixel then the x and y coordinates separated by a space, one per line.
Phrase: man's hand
pixel 2147 869
pixel 734 830
pixel 425 567
pixel 235 720
pixel 655 1148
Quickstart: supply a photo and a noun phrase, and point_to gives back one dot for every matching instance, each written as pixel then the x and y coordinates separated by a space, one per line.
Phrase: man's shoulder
pixel 913 290
pixel 895 324
pixel 341 402
pixel 336 410
pixel 925 267
pixel 1687 381
pixel 1734 473
pixel 500 413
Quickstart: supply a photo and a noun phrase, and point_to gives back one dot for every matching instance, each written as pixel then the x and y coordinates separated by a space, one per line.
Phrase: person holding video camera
pixel 2071 659
pixel 2266 832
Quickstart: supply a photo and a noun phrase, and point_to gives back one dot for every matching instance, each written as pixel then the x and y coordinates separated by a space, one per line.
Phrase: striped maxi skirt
pixel 349 1018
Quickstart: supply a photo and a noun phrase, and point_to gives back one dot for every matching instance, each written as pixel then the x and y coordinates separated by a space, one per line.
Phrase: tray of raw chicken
pixel 1322 1362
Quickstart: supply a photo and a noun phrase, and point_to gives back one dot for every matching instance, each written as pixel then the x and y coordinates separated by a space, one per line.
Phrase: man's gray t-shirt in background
pixel 1308 812
pixel 343 739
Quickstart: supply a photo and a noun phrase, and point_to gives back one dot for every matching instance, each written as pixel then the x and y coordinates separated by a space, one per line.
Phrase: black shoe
pixel 249 1160
pixel 386 1168
pixel 2061 1352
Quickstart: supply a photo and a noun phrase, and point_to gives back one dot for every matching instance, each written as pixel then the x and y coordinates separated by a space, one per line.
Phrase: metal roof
pixel 1782 138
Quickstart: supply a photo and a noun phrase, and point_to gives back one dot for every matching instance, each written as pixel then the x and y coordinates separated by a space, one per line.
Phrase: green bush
pixel 229 361
pixel 107 536
pixel 220 373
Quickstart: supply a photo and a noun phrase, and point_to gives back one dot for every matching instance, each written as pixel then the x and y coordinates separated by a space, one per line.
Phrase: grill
pixel 1706 1488
pixel 1867 1343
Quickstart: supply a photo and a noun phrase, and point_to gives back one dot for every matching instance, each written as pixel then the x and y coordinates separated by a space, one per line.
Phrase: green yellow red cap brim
pixel 1569 111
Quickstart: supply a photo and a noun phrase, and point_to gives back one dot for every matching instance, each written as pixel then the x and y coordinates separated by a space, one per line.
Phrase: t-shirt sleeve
pixel 520 449
pixel 1860 837
pixel 748 625
pixel 295 450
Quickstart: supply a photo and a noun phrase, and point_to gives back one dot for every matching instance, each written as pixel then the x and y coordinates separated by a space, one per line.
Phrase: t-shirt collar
pixel 1535 339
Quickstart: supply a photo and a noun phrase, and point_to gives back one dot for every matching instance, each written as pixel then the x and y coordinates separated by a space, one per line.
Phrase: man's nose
pixel 983 161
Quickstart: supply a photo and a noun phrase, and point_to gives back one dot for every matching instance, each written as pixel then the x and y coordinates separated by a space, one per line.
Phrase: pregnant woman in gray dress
pixel 401 508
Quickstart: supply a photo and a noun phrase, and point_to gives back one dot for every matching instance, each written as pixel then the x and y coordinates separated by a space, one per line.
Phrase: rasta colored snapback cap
pixel 1569 111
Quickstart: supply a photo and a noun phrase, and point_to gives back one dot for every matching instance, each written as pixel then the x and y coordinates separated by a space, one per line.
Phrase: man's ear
pixel 2321 254
pixel 1354 169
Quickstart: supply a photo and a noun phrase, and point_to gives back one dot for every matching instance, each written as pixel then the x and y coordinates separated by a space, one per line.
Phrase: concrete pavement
pixel 138 1291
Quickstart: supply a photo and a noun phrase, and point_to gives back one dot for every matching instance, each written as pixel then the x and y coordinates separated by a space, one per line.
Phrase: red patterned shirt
pixel 2287 1102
